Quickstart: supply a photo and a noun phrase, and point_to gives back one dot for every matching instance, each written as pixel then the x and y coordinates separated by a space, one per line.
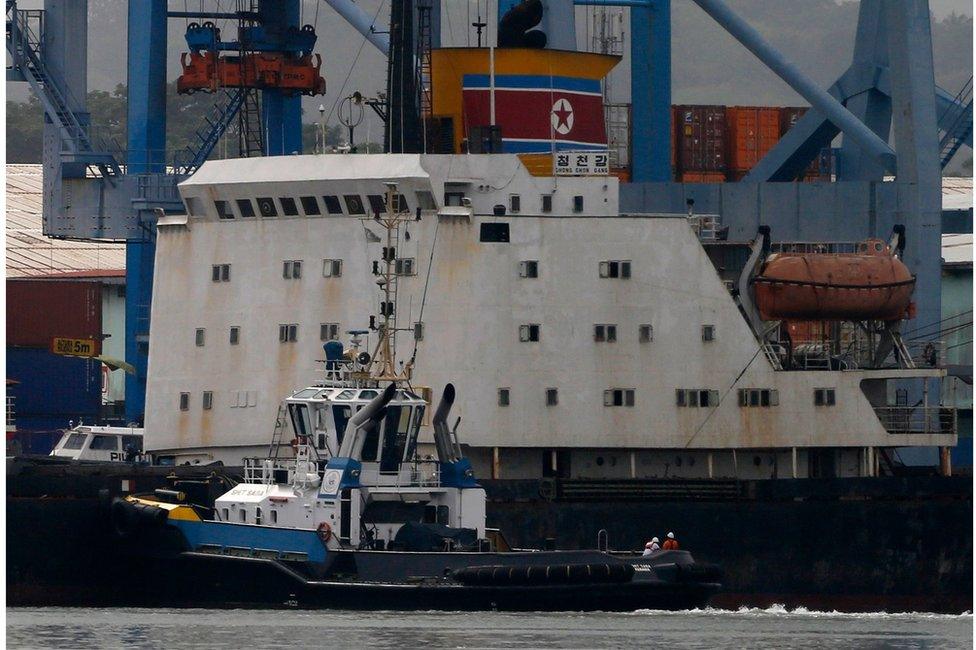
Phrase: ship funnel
pixel 442 434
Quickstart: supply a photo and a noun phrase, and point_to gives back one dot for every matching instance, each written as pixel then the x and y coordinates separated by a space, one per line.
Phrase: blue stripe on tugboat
pixel 223 535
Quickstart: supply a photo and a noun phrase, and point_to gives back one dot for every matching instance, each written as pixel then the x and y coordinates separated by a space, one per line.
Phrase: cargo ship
pixel 620 374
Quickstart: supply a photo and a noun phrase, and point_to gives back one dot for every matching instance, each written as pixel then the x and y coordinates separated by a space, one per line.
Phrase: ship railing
pixel 10 411
pixel 708 227
pixel 422 473
pixel 855 354
pixel 268 471
pixel 813 247
pixel 917 419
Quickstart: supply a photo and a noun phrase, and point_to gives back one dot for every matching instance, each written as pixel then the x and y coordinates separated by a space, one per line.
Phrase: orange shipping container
pixel 703 177
pixel 753 130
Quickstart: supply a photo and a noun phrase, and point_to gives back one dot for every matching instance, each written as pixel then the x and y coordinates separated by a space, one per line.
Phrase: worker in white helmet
pixel 670 544
pixel 651 547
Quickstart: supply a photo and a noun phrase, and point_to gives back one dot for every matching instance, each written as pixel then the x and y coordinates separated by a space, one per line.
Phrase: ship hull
pixel 886 544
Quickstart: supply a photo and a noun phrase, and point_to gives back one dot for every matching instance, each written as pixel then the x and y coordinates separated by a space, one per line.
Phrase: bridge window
pixel 696 397
pixel 615 269
pixel 577 203
pixel 341 414
pixel 824 397
pixel 274 516
pixel 104 443
pixel 288 332
pixel 207 400
pixel 376 203
pixel 257 515
pixel 354 204
pixel 235 334
pixel 328 331
pixel 405 266
pixel 223 210
pixel 332 205
pixel 220 272
pixel 225 514
pixel 200 337
pixel 514 203
pixel 266 206
pixel 242 515
pixel 547 203
pixel 310 205
pixel 288 206
pixel 552 396
pixel 425 200
pixel 396 427
pixel 193 206
pixel 245 207
pixel 184 401
pixel 504 396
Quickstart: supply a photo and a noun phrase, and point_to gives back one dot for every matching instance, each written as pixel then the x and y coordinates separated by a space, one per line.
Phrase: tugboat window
pixel 341 414
pixel 311 206
pixel 266 205
pixel 257 516
pixel 75 441
pixel 288 206
pixel 242 515
pixel 104 443
pixel 332 204
pixel 371 444
pixel 395 439
pixel 245 207
pixel 354 204
pixel 225 514
pixel 274 516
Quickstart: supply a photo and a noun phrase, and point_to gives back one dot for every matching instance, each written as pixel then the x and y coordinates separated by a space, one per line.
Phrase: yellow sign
pixel 73 347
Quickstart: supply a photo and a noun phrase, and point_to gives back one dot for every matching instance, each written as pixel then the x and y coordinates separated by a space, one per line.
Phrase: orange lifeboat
pixel 870 284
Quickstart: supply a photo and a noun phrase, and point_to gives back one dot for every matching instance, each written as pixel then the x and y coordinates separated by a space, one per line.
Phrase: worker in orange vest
pixel 670 544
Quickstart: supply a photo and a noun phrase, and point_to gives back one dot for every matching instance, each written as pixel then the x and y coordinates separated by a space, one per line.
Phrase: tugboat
pixel 355 517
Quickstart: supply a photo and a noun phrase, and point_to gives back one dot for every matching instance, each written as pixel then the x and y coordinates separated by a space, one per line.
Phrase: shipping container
pixel 40 310
pixel 700 138
pixel 53 389
pixel 820 168
pixel 752 131
pixel 702 177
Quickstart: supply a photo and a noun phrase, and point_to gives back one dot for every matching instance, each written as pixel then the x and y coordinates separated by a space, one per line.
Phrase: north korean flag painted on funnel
pixel 538 113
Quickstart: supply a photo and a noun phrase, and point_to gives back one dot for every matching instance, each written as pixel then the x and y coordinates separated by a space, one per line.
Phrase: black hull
pixel 899 544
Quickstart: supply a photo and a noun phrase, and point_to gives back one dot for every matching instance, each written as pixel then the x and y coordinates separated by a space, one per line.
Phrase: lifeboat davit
pixel 870 284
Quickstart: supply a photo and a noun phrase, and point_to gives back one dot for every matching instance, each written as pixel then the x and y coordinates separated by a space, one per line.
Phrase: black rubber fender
pixel 129 518
pixel 544 574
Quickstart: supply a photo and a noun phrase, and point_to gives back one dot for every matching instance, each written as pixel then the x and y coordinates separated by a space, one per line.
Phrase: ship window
pixel 495 232
pixel 288 332
pixel 405 266
pixel 696 397
pixel 266 206
pixel 618 397
pixel 223 210
pixel 242 515
pixel 708 332
pixel 321 441
pixel 824 397
pixel 400 203
pixel 288 206
pixel 504 396
pixel 577 203
pixel 193 207
pixel 331 268
pixel 341 414
pixel 220 272
pixel 371 443
pixel 257 515
pixel 291 269
pixel 328 331
pixel 75 441
pixel 235 334
pixel 104 443
pixel 395 439
pixel 425 200
pixel 354 204
pixel 184 401
pixel 547 203
pixel 310 205
pixel 681 397
pixel 901 397
pixel 605 333
pixel 376 203
pixel 332 205
pixel 418 331
pixel 529 269
pixel 225 514
pixel 615 269
pixel 514 203
pixel 200 337
pixel 245 207
pixel 207 400
pixel 455 199
pixel 552 396
pixel 529 333
pixel 274 516
pixel 646 333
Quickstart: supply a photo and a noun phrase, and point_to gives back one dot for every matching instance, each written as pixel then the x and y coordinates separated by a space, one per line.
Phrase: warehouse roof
pixel 30 253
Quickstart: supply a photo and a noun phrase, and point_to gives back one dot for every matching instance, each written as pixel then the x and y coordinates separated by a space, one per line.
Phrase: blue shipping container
pixel 53 389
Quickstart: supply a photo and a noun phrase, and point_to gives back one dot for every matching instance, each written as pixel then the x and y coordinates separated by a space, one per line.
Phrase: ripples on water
pixel 774 627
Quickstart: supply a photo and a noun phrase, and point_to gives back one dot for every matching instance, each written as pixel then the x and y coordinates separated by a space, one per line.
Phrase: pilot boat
pixel 349 514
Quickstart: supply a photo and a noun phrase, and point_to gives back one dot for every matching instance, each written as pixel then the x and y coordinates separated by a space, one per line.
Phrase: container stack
pixel 700 143
pixel 753 131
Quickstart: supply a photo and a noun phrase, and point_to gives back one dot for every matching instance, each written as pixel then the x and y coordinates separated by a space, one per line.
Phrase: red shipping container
pixel 702 177
pixel 753 130
pixel 41 310
pixel 700 138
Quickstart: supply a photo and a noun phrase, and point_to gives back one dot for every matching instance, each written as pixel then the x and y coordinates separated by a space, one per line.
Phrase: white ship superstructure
pixel 583 342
